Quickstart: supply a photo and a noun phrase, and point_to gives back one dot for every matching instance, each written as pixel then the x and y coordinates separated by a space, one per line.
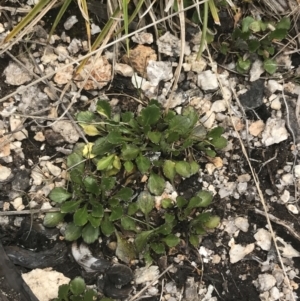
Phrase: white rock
pixel 207 81
pixel 95 29
pixel 208 119
pixel 70 22
pixel 297 171
pixel 15 124
pixel 263 239
pixel 276 104
pixel 274 293
pixel 287 179
pixel 219 106
pixel 244 178
pixel 238 252
pixel 287 250
pixel 62 53
pixel 67 130
pixel 124 69
pixel 49 56
pixel 285 196
pixel 256 70
pixel 16 75
pixel 39 136
pixel 18 204
pixel 171 45
pixel 5 173
pixel 274 132
pixel 159 71
pixel 74 46
pixel 242 223
pixel 265 282
pixel 195 65
pixel 54 170
pixel 292 208
pixel 146 274
pixel 242 187
pixel 256 127
pixel 2 29
pixel 64 75
pixel 274 86
pixel 227 190
pixel 143 38
pixel 45 283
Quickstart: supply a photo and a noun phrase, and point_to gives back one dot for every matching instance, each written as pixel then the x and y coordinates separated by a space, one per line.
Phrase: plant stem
pixel 204 30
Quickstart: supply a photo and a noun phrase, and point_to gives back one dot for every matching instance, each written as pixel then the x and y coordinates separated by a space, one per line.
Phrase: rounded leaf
pixel 145 202
pixel 183 168
pixel 80 216
pixel 156 184
pixel 90 234
pixel 213 222
pixel 171 240
pixel 72 232
pixel 77 286
pixel 52 219
pixel 169 170
pixel 59 195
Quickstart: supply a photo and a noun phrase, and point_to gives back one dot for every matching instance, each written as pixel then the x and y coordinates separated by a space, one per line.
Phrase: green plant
pixel 247 40
pixel 150 147
pixel 76 290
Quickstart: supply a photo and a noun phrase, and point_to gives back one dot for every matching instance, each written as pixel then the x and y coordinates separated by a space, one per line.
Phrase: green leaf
pixel 115 137
pixel 169 170
pixel 90 234
pixel 85 116
pixel 90 295
pixel 91 185
pixel 213 222
pixel 158 248
pixel 105 162
pixel 171 240
pixel 127 116
pixel 284 23
pixel 130 152
pixel 255 26
pixel 128 223
pixel 77 286
pixel 246 23
pixel 69 206
pixel 194 167
pixel 59 195
pixel 107 226
pixel 63 291
pixel 169 217
pixel 165 229
pixel 52 219
pixel 116 213
pixel 199 132
pixel 97 210
pixel 166 203
pixel 72 232
pixel 124 194
pixel 129 166
pixel 80 217
pixel 102 147
pixel 244 65
pixel 270 66
pixel 278 34
pixel 149 115
pixel 125 250
pixel 206 198
pixel 103 108
pixel 253 44
pixel 156 184
pixel 181 202
pixel 141 240
pixel 216 132
pixel 183 168
pixel 154 137
pixel 194 240
pixel 132 208
pixel 145 202
pixel 143 163
pixel 107 183
pixel 219 142
pixel 180 124
pixel 94 221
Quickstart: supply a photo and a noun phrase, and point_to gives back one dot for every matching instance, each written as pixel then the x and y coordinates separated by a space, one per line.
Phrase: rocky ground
pixel 253 254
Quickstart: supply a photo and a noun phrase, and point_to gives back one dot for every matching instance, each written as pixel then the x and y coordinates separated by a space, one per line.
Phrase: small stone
pixel 15 124
pixel 70 22
pixel 263 239
pixel 227 190
pixel 139 58
pixel 146 274
pixel 39 136
pixel 74 46
pixel 256 70
pixel 18 204
pixel 195 65
pixel 171 45
pixel 124 69
pixel 54 170
pixel 53 138
pixel 242 188
pixel 5 173
pixel 66 130
pixel 274 132
pixel 219 106
pixel 287 179
pixel 62 53
pixel 143 38
pixel 274 86
pixel 256 127
pixel 244 178
pixel 159 71
pixel 95 29
pixel 208 119
pixel 5 147
pixel 297 171
pixel 276 104
pixel 292 208
pixel 238 252
pixel 286 249
pixel 207 81
pixel 49 56
pixel 265 282
pixel 64 75
pixel 21 180
pixel 285 196
pixel 242 223
pixel 16 75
